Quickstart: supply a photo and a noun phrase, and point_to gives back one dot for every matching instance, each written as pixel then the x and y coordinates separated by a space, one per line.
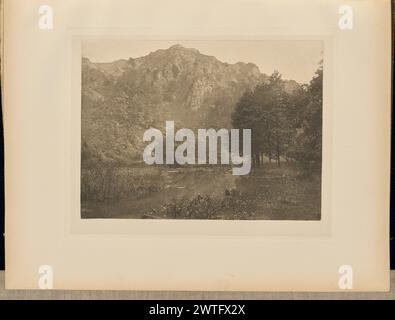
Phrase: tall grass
pixel 103 182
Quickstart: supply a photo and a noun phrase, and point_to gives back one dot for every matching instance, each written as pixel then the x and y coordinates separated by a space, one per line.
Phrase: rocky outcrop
pixel 122 99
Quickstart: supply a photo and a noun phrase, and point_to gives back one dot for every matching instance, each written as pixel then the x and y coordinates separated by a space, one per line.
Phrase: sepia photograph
pixel 161 123
pixel 197 149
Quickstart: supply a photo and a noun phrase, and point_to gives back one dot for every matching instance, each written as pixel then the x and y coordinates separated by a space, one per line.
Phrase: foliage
pixel 285 124
pixel 231 206
pixel 107 182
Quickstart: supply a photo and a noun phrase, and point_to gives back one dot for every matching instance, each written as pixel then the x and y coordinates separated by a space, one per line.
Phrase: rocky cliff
pixel 122 99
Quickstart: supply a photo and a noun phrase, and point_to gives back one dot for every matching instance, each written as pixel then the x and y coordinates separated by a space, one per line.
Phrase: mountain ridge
pixel 122 99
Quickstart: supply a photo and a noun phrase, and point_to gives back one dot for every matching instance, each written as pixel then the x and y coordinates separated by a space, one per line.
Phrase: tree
pixel 263 110
pixel 283 124
pixel 308 141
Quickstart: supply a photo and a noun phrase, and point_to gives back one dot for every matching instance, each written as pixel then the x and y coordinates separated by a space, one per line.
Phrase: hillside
pixel 122 99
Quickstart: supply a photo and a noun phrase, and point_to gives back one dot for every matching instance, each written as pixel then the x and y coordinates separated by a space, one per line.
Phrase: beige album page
pixel 197 145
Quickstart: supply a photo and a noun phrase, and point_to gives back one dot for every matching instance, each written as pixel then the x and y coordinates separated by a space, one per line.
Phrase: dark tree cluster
pixel 286 123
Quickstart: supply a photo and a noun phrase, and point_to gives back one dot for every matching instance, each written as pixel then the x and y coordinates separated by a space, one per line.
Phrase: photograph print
pixel 212 130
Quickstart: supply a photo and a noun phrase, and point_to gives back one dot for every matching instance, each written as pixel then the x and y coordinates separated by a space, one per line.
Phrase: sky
pixel 295 60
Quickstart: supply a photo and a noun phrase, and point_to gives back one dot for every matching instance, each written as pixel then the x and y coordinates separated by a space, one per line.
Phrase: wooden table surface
pixel 164 295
